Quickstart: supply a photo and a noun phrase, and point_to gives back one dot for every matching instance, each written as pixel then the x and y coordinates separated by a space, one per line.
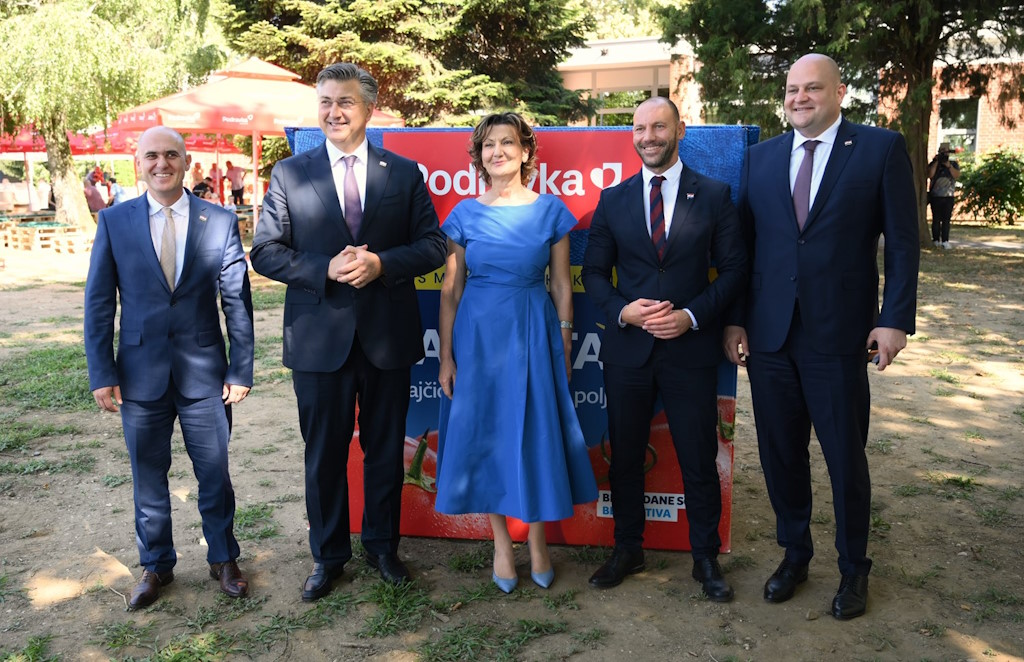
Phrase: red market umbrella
pixel 27 140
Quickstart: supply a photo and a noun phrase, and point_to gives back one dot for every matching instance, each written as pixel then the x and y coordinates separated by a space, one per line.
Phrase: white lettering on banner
pixel 421 391
pixel 658 506
pixel 431 346
pixel 588 352
pixel 590 398
pixel 236 120
pixel 466 182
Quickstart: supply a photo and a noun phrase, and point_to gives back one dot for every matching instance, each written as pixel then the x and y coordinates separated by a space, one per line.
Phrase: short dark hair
pixel 524 133
pixel 347 71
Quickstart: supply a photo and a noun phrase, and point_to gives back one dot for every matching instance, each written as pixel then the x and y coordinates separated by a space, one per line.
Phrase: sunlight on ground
pixel 182 493
pixel 99 569
pixel 977 649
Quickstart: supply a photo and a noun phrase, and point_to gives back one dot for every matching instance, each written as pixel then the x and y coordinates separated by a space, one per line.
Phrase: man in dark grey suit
pixel 348 227
pixel 661 230
pixel 813 203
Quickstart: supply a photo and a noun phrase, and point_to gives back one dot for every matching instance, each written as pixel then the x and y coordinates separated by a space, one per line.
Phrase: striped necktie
pixel 658 237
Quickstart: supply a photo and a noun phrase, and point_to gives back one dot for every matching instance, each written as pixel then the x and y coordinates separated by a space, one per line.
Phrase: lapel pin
pixel 689 196
pixel 383 164
pixel 202 218
pixel 848 143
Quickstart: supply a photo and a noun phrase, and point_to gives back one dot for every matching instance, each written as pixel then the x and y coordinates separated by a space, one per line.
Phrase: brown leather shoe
pixel 147 590
pixel 232 583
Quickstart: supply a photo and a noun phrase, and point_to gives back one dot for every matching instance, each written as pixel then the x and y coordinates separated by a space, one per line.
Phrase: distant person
pixel 215 176
pixel 509 442
pixel 93 197
pixel 942 175
pixel 236 178
pixel 814 203
pixel 349 226
pixel 174 263
pixel 196 175
pixel 205 184
pixel 117 193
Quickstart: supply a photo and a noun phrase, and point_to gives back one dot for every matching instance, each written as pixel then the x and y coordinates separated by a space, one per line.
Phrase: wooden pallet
pixel 72 241
pixel 24 238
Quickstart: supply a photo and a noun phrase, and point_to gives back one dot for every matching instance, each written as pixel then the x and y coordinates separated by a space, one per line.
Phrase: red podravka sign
pixel 576 165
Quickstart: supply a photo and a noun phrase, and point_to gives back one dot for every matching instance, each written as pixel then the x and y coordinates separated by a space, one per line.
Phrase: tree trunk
pixel 68 190
pixel 916 111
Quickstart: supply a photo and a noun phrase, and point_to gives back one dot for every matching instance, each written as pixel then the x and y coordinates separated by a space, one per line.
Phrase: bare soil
pixel 946 450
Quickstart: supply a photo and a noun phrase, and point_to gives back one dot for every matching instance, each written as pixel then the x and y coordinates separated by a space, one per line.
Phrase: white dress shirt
pixel 338 166
pixel 179 210
pixel 821 153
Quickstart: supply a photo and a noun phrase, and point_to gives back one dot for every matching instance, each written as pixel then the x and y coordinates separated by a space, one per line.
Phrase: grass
pixel 255 522
pixel 116 636
pixel 6 590
pixel 931 629
pixel 268 297
pixel 468 643
pixel 477 558
pixel 564 600
pixel 36 650
pixel 80 463
pixel 16 435
pixel 113 481
pixel 908 490
pixel 52 378
pixel 399 609
pixel 997 517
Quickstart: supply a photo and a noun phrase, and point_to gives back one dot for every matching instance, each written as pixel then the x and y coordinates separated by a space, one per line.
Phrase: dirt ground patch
pixel 946 450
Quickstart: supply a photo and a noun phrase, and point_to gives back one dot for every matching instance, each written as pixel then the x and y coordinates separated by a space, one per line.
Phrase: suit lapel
pixel 377 172
pixel 684 202
pixel 842 148
pixel 318 171
pixel 198 212
pixel 780 176
pixel 138 225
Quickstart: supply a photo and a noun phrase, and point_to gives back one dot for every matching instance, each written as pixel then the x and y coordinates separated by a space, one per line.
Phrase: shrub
pixel 993 187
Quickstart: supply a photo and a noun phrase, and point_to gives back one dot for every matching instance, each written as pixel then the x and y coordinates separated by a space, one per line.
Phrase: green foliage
pixel 993 187
pixel 53 378
pixel 16 435
pixel 437 61
pixel 620 19
pixel 36 650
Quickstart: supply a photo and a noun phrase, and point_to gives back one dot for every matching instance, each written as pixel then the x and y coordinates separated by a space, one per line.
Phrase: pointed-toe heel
pixel 506 585
pixel 543 579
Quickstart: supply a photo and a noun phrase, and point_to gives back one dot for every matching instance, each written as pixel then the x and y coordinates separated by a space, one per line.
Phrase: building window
pixel 958 123
pixel 617 108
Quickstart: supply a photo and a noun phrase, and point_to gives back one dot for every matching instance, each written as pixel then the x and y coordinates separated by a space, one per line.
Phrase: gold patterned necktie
pixel 167 248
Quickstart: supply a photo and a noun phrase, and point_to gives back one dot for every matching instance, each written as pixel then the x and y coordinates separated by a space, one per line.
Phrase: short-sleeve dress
pixel 509 441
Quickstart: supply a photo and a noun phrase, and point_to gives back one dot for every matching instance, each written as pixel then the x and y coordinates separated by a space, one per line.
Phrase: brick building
pixel 972 124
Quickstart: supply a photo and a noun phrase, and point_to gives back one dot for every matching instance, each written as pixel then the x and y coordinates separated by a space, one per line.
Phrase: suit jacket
pixel 705 230
pixel 831 266
pixel 302 228
pixel 164 334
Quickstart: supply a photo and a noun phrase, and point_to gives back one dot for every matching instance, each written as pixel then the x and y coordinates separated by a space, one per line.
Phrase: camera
pixel 943 157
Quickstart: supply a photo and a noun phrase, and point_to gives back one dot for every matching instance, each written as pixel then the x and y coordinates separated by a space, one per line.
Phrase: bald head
pixel 661 102
pixel 814 94
pixel 162 162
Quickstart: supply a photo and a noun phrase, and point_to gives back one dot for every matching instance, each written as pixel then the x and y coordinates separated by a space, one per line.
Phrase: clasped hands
pixel 657 318
pixel 354 266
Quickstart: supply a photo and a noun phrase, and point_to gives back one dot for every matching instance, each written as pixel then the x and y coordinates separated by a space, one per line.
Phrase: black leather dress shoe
pixel 782 584
pixel 147 590
pixel 390 567
pixel 622 562
pixel 712 581
pixel 318 584
pixel 851 599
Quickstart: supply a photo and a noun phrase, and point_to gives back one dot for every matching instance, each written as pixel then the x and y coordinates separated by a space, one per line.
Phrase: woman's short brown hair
pixel 524 133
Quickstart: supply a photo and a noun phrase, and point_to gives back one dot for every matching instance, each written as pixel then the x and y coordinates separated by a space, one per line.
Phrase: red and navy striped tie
pixel 658 237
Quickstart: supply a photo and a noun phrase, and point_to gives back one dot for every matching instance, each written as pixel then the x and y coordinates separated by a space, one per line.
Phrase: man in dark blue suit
pixel 348 227
pixel 169 256
pixel 661 230
pixel 813 203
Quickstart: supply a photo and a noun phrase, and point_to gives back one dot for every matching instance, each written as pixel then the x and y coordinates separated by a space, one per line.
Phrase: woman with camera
pixel 942 176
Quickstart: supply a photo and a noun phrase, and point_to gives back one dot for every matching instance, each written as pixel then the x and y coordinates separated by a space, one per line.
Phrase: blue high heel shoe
pixel 543 579
pixel 506 585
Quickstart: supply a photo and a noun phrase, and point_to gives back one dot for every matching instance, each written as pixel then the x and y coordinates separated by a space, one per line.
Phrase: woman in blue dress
pixel 509 442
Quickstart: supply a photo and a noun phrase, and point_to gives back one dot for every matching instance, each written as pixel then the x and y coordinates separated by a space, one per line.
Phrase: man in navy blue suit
pixel 168 256
pixel 813 203
pixel 661 230
pixel 348 227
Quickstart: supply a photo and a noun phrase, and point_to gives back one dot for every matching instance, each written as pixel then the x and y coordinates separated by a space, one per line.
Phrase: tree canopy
pixel 436 60
pixel 71 64
pixel 887 51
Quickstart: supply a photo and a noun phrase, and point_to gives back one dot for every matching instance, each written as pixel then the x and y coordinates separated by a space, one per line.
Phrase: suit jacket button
pixel 793 278
pixel 801 242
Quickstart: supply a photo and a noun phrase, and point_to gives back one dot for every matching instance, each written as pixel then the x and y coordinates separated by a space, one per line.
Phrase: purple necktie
pixel 658 217
pixel 802 186
pixel 353 210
